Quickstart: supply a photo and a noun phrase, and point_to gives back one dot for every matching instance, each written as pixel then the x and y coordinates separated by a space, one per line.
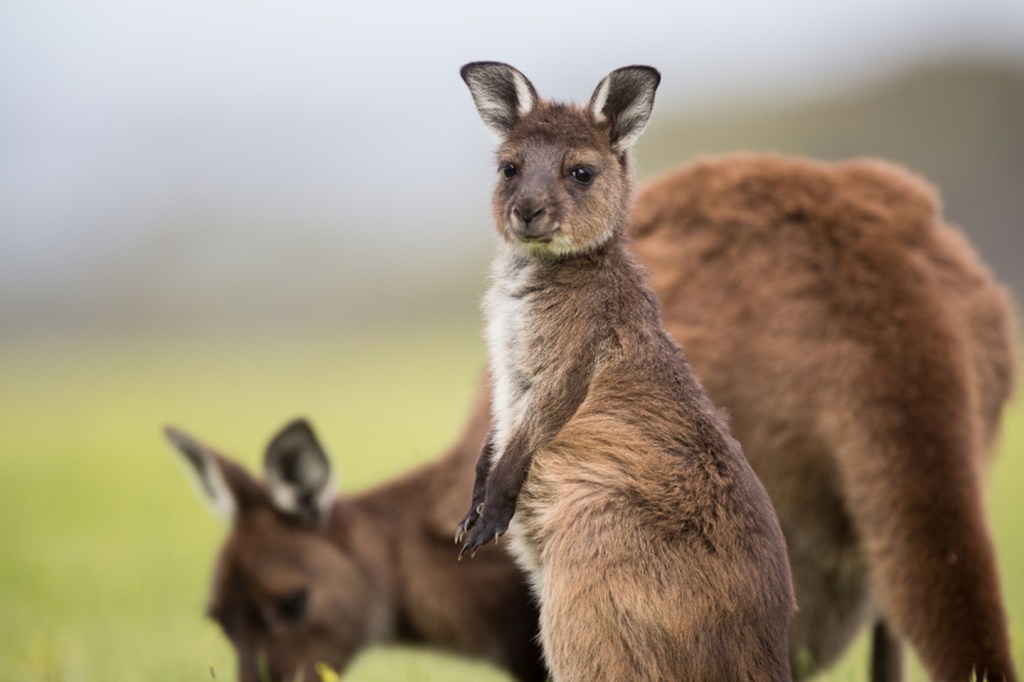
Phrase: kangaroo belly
pixel 618 572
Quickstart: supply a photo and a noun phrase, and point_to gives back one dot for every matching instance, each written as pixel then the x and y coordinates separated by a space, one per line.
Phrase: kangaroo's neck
pixel 360 530
pixel 516 268
pixel 382 530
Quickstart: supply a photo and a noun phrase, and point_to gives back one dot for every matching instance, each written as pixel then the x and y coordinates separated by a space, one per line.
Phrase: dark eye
pixel 509 171
pixel 582 175
pixel 291 606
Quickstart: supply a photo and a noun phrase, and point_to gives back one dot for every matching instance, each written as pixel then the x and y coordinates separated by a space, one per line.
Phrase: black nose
pixel 527 212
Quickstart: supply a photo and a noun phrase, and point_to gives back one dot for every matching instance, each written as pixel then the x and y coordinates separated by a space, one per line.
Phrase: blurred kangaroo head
pixel 563 178
pixel 286 590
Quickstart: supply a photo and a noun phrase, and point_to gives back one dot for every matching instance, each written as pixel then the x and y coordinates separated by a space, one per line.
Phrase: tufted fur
pixel 767 272
pixel 650 543
pixel 864 356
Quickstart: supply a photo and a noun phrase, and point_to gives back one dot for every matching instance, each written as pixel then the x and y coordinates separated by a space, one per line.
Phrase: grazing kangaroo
pixel 650 543
pixel 305 577
pixel 790 283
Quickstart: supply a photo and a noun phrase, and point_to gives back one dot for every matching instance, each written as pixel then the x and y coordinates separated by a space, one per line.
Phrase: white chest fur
pixel 508 313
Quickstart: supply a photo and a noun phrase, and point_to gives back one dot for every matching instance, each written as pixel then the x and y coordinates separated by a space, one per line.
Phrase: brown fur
pixel 731 247
pixel 652 546
pixel 864 356
pixel 378 569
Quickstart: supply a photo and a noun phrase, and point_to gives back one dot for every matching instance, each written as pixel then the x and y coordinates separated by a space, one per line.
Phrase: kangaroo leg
pixel 886 655
pixel 915 498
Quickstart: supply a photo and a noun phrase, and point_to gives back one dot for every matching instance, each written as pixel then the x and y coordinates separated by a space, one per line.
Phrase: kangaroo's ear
pixel 225 484
pixel 299 473
pixel 502 94
pixel 624 100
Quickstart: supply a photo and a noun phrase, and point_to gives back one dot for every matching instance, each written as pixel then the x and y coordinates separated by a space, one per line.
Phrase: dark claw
pixel 486 528
pixel 472 544
pixel 467 523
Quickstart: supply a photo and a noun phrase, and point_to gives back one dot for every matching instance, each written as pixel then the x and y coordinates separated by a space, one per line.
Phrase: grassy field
pixel 105 550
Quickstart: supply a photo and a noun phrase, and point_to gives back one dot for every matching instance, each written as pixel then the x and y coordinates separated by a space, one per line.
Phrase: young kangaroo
pixel 305 577
pixel 653 548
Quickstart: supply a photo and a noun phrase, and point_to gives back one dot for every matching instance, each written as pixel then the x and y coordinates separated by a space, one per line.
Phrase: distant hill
pixel 961 125
pixel 175 263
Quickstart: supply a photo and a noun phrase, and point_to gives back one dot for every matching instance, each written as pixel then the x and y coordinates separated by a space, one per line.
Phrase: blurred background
pixel 227 213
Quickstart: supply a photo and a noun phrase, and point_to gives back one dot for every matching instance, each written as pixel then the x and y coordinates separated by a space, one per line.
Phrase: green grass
pixel 105 550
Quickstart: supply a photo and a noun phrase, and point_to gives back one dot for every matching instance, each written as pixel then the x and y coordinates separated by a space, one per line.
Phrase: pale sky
pixel 119 117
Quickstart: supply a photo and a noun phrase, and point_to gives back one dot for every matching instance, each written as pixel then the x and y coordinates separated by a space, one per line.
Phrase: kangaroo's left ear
pixel 501 93
pixel 223 482
pixel 298 473
pixel 624 100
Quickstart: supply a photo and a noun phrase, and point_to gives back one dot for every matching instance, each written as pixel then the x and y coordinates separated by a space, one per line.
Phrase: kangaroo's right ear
pixel 225 485
pixel 502 94
pixel 298 473
pixel 624 100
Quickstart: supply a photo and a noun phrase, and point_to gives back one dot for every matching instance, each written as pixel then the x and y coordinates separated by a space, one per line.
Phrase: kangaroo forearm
pixel 506 478
pixel 546 416
pixel 483 470
pixel 500 485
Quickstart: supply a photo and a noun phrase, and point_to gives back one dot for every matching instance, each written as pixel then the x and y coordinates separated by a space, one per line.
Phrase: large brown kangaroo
pixel 808 297
pixel 864 356
pixel 653 549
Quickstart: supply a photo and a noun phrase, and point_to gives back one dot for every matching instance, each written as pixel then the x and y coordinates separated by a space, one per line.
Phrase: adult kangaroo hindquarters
pixel 864 356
